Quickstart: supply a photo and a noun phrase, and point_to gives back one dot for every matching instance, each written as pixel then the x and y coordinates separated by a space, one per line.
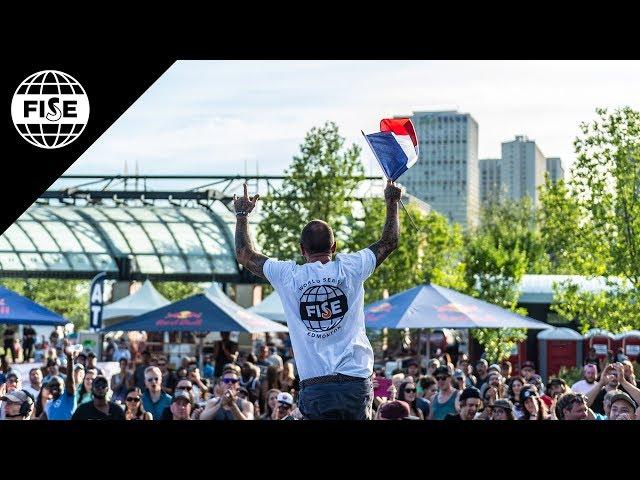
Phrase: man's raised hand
pixel 245 204
pixel 392 193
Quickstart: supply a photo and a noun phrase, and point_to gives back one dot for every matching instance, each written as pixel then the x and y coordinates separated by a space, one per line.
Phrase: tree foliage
pixel 604 197
pixel 69 298
pixel 318 184
pixel 174 291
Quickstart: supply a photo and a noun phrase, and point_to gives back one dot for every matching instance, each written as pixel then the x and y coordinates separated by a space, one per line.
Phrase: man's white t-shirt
pixel 582 386
pixel 324 308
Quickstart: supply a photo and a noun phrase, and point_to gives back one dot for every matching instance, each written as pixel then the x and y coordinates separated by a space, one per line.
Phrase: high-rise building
pixel 446 175
pixel 555 170
pixel 523 167
pixel 490 178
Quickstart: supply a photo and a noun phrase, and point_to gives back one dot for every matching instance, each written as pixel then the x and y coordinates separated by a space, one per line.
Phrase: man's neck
pixel 155 395
pixel 36 386
pixel 100 403
pixel 319 257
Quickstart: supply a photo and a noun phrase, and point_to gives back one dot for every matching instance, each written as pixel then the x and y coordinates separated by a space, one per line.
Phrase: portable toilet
pixel 558 347
pixel 630 343
pixel 518 355
pixel 601 340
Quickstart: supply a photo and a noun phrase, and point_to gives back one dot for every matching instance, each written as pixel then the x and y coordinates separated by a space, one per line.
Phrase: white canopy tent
pixel 271 308
pixel 144 300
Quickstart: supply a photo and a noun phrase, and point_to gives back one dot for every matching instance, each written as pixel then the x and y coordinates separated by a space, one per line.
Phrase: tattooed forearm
pixel 245 253
pixel 390 235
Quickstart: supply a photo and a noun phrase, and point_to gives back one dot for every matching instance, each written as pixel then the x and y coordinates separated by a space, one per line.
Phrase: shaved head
pixel 317 237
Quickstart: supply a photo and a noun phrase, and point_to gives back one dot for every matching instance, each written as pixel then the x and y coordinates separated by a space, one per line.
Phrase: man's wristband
pixel 242 213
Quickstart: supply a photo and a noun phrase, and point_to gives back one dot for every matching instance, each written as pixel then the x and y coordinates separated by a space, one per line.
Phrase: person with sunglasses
pixel 228 406
pixel 133 409
pixel 284 408
pixel 444 402
pixel 419 407
pixel 183 385
pixel 154 400
pixel 62 403
pixel 99 408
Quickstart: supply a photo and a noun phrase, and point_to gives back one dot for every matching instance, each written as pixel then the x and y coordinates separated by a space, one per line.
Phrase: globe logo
pixel 323 307
pixel 50 109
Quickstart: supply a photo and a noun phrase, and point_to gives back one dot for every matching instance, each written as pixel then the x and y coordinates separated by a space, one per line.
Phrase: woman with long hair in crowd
pixel 271 381
pixel 408 393
pixel 514 388
pixel 84 395
pixel 121 381
pixel 287 377
pixel 133 409
pixel 533 408
pixel 271 404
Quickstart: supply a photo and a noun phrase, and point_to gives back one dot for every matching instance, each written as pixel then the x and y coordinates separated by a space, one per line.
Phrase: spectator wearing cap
pixel 481 372
pixel 572 406
pixel 78 373
pixel 92 362
pixel 227 405
pixel 181 405
pixel 444 402
pixel 82 359
pixel 589 376
pixel 408 393
pixel 63 400
pixel 494 367
pixel 494 387
pixel 623 407
pixel 13 382
pixel 470 403
pixel 527 369
pixel 18 405
pixel 395 410
pixel 284 407
pixel 99 408
pixel 154 400
pixel 533 408
pixel 502 409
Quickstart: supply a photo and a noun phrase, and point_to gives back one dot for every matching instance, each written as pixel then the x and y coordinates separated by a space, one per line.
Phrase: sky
pixel 227 117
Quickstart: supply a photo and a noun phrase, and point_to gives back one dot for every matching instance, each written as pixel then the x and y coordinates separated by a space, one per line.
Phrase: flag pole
pixel 380 163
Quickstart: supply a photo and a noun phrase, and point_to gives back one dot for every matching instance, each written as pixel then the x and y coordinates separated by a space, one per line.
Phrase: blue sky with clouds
pixel 213 117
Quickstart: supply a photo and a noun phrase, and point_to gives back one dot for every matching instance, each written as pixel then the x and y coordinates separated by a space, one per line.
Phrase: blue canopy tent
pixel 433 306
pixel 18 310
pixel 204 312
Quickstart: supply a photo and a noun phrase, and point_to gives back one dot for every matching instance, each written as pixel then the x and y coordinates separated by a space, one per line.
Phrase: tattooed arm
pixel 391 231
pixel 245 253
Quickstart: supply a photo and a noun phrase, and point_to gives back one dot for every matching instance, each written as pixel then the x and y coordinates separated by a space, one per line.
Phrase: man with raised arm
pixel 323 302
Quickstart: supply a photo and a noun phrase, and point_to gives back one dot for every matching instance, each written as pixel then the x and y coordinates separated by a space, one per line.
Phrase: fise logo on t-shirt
pixel 322 307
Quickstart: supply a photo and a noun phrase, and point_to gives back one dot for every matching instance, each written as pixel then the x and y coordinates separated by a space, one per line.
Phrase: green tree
pixel 318 184
pixel 605 186
pixel 69 298
pixel 432 252
pixel 499 252
pixel 567 238
pixel 174 291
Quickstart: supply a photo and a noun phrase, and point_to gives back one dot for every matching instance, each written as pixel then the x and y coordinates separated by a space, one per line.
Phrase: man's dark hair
pixel 317 237
pixel 566 401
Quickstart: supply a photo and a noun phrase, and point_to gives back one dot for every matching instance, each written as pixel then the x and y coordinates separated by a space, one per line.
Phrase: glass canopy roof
pixel 161 241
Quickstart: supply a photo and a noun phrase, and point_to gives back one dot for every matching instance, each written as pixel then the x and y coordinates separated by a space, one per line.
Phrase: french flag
pixel 395 146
